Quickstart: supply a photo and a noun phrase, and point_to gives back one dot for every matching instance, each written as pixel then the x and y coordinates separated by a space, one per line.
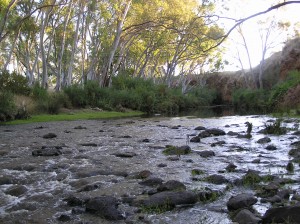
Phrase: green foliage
pixel 39 93
pixel 281 88
pixel 290 167
pixel 14 83
pixel 197 172
pixel 7 106
pixel 275 128
pixel 251 178
pixel 77 95
pixel 247 100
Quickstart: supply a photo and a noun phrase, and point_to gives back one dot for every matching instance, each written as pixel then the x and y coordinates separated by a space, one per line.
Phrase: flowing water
pixel 88 149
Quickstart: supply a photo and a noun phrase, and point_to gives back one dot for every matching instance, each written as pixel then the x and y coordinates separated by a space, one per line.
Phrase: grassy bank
pixel 72 116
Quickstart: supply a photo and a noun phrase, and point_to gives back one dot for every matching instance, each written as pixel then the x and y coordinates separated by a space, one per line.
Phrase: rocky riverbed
pixel 150 170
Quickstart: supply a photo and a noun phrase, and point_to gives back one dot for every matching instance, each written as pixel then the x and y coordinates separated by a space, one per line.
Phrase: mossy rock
pixel 177 150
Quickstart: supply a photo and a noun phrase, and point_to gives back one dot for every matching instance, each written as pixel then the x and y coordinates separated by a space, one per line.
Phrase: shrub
pixel 7 106
pixel 77 95
pixel 14 83
pixel 281 88
pixel 247 100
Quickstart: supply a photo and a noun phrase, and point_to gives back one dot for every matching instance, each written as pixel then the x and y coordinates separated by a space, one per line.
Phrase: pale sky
pixel 243 8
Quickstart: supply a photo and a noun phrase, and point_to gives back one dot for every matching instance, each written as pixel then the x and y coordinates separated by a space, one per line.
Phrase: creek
pixel 101 157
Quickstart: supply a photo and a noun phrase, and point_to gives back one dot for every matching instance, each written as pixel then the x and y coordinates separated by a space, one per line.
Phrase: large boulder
pixel 288 214
pixel 169 199
pixel 239 201
pixel 172 185
pixel 47 151
pixel 246 217
pixel 105 207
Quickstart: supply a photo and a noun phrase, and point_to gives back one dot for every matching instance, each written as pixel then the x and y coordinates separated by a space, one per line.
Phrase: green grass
pixel 75 116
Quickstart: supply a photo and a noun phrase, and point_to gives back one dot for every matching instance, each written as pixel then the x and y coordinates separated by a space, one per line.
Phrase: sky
pixel 243 8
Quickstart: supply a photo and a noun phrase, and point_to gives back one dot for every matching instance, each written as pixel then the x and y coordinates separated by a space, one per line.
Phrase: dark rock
pixel 204 134
pixel 285 193
pixel 231 133
pixel 173 158
pixel 172 185
pixel 296 144
pixel 89 144
pixel 125 154
pixel 5 180
pixel 208 195
pixel 217 179
pixel 143 174
pixel 49 135
pixel 176 127
pixel 241 201
pixel 80 127
pixel 271 147
pixel 47 151
pixel 296 133
pixel 90 187
pixel 17 190
pixel 264 140
pixel 274 199
pixel 29 206
pixel 231 167
pixel 200 128
pixel 162 165
pixel 125 136
pixel 151 182
pixel 146 140
pixel 104 206
pixel 169 199
pixel 256 161
pixel 206 154
pixel 64 218
pixel 295 152
pixel 216 132
pixel 195 139
pixel 74 201
pixel 218 143
pixel 246 217
pixel 289 214
pixel 174 150
pixel 84 174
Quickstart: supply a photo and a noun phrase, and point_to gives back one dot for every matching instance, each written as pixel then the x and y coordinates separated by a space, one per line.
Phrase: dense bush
pixel 77 95
pixel 138 94
pixel 281 88
pixel 14 83
pixel 7 106
pixel 249 100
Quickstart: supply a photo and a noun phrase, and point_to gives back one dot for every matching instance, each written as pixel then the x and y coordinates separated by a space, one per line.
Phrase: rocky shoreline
pixel 154 170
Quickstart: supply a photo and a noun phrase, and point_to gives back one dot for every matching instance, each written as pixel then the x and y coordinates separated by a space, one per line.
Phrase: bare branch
pixel 240 21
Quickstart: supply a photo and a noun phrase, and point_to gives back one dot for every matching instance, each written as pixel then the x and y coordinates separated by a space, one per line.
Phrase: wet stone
pixel 217 179
pixel 264 140
pixel 151 182
pixel 5 180
pixel 49 136
pixel 200 128
pixel 282 214
pixel 169 200
pixel 172 185
pixel 231 167
pixel 125 154
pixel 17 190
pixel 104 206
pixel 271 147
pixel 89 144
pixel 241 201
pixel 246 217
pixel 50 151
pixel 206 154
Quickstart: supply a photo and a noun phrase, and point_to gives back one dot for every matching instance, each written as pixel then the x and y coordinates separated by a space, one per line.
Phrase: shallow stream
pixel 33 188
